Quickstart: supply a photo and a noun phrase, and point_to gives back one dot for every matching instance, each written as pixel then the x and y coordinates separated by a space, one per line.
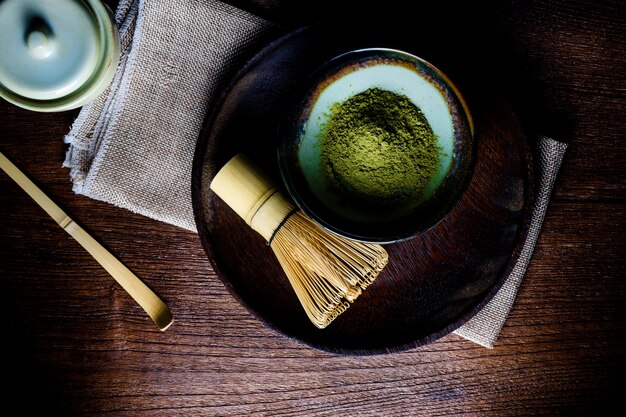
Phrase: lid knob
pixel 39 39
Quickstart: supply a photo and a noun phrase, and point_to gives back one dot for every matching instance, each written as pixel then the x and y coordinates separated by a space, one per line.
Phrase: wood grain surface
pixel 74 342
pixel 434 282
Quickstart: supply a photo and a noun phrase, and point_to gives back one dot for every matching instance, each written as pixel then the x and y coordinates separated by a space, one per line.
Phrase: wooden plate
pixel 433 283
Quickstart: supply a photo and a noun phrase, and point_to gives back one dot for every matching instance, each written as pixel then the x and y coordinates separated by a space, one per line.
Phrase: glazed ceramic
pixel 344 77
pixel 56 54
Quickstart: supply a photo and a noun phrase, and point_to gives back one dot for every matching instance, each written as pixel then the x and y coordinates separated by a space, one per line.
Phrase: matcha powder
pixel 378 146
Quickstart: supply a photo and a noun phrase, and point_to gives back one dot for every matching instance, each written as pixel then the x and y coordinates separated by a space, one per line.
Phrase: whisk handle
pixel 252 195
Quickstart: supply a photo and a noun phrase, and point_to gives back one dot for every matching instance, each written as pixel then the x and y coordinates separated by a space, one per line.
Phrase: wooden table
pixel 76 344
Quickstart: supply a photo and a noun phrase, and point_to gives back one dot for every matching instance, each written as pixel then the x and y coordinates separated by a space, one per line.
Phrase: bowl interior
pixel 343 77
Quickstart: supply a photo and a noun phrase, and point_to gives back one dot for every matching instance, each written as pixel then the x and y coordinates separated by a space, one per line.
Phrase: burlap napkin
pixel 485 326
pixel 133 147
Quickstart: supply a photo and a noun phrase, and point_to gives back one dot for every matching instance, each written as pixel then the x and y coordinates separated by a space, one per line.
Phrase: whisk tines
pixel 327 271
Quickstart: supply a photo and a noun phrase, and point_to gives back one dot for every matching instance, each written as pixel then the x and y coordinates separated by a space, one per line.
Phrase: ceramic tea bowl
pixel 335 207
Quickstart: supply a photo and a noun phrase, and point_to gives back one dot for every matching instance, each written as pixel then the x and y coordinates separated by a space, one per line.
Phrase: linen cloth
pixel 133 146
pixel 485 326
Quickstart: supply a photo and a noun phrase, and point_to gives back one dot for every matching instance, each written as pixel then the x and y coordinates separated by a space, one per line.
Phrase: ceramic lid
pixel 56 54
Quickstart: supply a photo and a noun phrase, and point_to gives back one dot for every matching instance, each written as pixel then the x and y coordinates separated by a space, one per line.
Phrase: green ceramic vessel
pixel 343 77
pixel 56 54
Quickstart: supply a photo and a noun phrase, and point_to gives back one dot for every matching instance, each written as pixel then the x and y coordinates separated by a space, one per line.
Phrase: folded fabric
pixel 133 147
pixel 485 326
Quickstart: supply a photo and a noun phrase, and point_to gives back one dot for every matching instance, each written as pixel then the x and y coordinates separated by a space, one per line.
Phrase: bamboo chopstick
pixel 144 296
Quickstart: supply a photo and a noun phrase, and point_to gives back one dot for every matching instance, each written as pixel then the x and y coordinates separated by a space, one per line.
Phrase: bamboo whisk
pixel 326 271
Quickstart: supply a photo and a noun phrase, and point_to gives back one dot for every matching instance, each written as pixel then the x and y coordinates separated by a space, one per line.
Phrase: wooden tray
pixel 433 283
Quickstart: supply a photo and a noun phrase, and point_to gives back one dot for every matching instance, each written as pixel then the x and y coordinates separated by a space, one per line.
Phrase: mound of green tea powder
pixel 379 147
